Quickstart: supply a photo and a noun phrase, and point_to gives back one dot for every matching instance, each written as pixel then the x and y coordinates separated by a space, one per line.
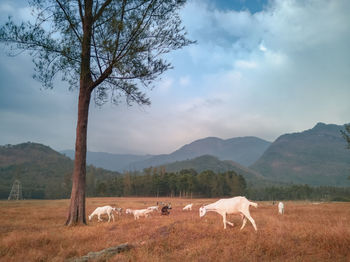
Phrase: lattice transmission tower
pixel 16 191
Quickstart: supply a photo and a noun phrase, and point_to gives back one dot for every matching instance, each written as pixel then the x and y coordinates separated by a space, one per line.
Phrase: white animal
pixel 119 210
pixel 236 205
pixel 281 208
pixel 138 212
pixel 103 210
pixel 153 208
pixel 188 207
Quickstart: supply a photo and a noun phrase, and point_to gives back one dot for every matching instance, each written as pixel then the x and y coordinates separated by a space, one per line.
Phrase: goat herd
pixel 236 205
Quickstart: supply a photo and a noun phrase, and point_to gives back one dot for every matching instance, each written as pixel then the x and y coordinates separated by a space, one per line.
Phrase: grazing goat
pixel 164 204
pixel 236 205
pixel 103 210
pixel 165 210
pixel 153 208
pixel 281 208
pixel 119 210
pixel 138 212
pixel 188 207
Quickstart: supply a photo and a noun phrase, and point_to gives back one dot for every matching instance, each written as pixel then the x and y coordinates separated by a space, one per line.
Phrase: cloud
pixel 278 70
pixel 165 84
pixel 245 64
pixel 297 50
pixel 185 81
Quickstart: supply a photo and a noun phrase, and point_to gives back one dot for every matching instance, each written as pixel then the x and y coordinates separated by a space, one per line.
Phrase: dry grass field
pixel 34 231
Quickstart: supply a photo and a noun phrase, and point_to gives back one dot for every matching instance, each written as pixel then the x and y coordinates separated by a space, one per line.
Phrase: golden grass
pixel 34 231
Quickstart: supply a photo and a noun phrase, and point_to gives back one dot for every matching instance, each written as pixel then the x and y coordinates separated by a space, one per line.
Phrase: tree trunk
pixel 76 212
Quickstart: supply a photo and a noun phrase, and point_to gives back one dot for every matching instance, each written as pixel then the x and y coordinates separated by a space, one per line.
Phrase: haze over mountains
pixel 243 150
pixel 317 156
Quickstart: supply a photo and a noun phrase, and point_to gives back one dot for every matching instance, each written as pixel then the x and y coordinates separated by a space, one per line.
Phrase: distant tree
pixel 90 183
pixel 101 189
pixel 346 134
pixel 127 186
pixel 108 46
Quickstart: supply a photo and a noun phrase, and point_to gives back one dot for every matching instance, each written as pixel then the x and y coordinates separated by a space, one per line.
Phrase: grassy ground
pixel 34 231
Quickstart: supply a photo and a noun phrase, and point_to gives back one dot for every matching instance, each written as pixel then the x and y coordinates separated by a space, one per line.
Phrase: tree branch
pixel 95 49
pixel 81 12
pixel 120 29
pixel 100 12
pixel 69 21
pixel 136 32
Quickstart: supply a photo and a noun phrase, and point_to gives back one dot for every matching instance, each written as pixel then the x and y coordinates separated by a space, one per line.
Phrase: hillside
pixel 212 163
pixel 316 157
pixel 43 172
pixel 115 162
pixel 242 150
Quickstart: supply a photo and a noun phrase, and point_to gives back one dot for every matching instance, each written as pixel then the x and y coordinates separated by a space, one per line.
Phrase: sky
pixel 259 68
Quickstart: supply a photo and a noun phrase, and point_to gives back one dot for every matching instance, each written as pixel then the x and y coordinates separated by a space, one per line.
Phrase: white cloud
pixel 262 47
pixel 165 85
pixel 279 70
pixel 185 81
pixel 245 64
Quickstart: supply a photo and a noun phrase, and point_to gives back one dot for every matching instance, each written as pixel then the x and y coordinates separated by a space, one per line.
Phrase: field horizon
pixel 33 230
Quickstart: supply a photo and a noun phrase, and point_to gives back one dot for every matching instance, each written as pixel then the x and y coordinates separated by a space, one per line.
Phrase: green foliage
pixel 186 183
pixel 208 162
pixel 300 192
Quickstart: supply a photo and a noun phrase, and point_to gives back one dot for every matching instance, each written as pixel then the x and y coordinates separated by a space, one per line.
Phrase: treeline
pixel 186 183
pixel 300 192
pixel 48 182
pixel 156 182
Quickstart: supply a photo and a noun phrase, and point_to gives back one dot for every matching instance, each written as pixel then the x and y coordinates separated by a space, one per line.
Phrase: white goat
pixel 188 207
pixel 153 208
pixel 138 212
pixel 103 210
pixel 236 205
pixel 281 208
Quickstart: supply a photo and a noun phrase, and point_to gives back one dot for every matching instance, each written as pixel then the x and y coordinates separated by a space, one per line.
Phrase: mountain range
pixel 317 156
pixel 242 150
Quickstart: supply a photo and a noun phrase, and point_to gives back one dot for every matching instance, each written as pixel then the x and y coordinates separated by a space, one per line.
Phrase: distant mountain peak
pixel 316 156
pixel 243 150
pixel 320 126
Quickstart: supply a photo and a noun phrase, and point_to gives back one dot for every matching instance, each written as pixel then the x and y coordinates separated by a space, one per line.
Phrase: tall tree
pixel 111 47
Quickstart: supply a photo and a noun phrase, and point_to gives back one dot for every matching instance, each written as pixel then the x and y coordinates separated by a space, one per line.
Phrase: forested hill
pixel 43 172
pixel 207 162
pixel 316 157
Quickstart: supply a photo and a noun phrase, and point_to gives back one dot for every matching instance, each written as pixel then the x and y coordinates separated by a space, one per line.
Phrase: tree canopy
pixel 128 39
